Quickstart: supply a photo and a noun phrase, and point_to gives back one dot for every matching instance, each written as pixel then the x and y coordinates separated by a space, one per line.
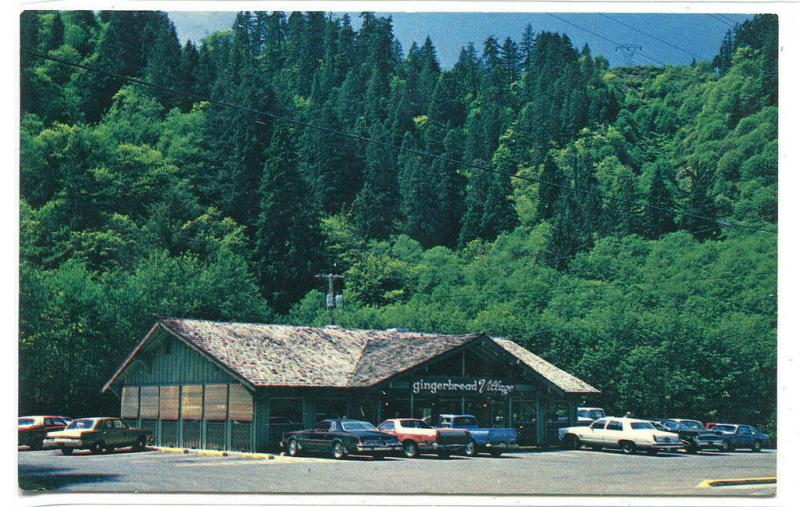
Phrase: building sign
pixel 461 385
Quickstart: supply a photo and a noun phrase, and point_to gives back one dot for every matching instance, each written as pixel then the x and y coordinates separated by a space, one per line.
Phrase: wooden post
pixel 572 412
pixel 541 415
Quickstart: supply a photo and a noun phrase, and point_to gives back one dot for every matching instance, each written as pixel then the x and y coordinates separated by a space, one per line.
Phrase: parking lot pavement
pixel 523 473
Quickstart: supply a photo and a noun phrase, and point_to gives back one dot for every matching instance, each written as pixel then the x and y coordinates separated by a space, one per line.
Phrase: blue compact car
pixel 740 436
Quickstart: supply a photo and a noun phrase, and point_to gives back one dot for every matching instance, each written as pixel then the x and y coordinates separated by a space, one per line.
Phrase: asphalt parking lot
pixel 581 472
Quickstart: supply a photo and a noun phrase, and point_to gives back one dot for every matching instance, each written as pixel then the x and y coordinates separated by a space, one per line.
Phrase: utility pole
pixel 628 50
pixel 332 300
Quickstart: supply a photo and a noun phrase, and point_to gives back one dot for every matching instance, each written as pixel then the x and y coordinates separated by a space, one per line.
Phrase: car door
pixel 318 435
pixel 744 436
pixel 122 435
pixel 596 431
pixel 612 433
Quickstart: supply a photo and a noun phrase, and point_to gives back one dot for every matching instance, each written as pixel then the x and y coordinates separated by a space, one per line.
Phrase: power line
pixel 385 144
pixel 603 37
pixel 690 53
pixel 718 20
pixel 728 19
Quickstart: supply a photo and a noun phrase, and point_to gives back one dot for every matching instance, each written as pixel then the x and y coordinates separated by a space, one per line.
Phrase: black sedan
pixel 693 434
pixel 340 437
pixel 741 436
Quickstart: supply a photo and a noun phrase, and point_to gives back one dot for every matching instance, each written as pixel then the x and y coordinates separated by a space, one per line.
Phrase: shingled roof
pixel 296 356
pixel 558 377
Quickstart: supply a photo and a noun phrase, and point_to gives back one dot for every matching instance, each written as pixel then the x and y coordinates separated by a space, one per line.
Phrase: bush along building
pixel 237 386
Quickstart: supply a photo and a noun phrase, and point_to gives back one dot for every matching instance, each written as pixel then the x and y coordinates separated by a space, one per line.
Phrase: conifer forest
pixel 619 222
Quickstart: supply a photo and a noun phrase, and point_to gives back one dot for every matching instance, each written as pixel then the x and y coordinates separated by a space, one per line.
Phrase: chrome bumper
pixel 382 448
pixel 500 445
pixel 74 443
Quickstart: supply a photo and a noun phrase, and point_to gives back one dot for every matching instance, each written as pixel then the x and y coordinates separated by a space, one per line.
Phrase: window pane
pixel 168 403
pixel 241 404
pixel 130 403
pixel 149 402
pixel 216 401
pixel 192 402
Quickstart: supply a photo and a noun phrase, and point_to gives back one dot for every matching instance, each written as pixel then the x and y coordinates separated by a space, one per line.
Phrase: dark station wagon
pixel 341 437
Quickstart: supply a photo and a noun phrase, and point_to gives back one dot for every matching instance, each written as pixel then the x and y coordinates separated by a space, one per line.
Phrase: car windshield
pixel 81 424
pixel 725 428
pixel 25 422
pixel 464 421
pixel 591 414
pixel 415 424
pixel 358 426
pixel 642 426
pixel 692 425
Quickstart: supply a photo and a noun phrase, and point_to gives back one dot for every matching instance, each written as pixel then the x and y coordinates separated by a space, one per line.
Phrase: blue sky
pixel 682 36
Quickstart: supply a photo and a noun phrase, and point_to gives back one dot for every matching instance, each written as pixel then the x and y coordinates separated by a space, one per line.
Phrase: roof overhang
pixel 132 357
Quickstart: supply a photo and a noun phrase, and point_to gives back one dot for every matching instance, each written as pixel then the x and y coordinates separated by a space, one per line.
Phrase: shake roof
pixel 277 355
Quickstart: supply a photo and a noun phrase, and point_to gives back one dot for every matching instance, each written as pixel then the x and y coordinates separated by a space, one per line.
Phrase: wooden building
pixel 237 386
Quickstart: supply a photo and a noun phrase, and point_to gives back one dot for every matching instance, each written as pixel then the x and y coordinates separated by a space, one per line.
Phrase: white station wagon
pixel 630 435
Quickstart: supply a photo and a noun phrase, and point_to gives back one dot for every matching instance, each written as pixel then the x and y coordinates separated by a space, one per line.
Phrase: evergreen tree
pixel 548 194
pixel 287 239
pixel 656 220
pixel 374 208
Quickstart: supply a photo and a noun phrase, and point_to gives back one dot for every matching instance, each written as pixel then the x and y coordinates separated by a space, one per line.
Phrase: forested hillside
pixel 618 222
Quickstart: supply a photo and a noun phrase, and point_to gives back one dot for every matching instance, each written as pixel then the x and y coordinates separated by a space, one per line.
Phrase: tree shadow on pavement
pixel 33 479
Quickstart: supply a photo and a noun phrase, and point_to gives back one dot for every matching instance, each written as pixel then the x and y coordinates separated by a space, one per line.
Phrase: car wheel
pixel 139 444
pixel 444 455
pixel 66 451
pixel 627 447
pixel 36 445
pixel 652 452
pixel 294 448
pixel 471 449
pixel 495 453
pixel 410 449
pixel 573 442
pixel 378 456
pixel 96 448
pixel 726 446
pixel 757 446
pixel 339 450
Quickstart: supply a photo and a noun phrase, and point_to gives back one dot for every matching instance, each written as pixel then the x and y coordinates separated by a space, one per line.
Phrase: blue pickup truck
pixel 492 440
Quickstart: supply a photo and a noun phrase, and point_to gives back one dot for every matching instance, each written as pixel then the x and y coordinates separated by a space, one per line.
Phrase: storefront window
pixel 395 408
pixel 240 404
pixel 329 408
pixel 192 402
pixel 168 403
pixel 149 402
pixel 130 403
pixel 216 402
pixel 523 411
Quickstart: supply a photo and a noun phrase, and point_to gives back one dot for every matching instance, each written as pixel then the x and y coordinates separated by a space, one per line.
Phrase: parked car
pixel 98 434
pixel 741 436
pixel 418 437
pixel 32 429
pixel 341 437
pixel 492 440
pixel 630 435
pixel 692 433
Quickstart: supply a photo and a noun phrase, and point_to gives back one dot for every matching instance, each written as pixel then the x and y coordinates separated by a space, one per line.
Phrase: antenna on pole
pixel 628 50
pixel 332 300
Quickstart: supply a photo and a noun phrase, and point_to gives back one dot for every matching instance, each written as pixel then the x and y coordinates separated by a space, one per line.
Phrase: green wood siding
pixel 181 365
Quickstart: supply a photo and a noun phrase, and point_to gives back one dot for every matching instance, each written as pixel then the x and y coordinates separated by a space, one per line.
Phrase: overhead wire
pixel 356 137
pixel 603 37
pixel 654 37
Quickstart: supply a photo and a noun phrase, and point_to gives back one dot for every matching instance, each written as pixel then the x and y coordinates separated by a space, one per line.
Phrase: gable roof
pixel 297 356
pixel 555 375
